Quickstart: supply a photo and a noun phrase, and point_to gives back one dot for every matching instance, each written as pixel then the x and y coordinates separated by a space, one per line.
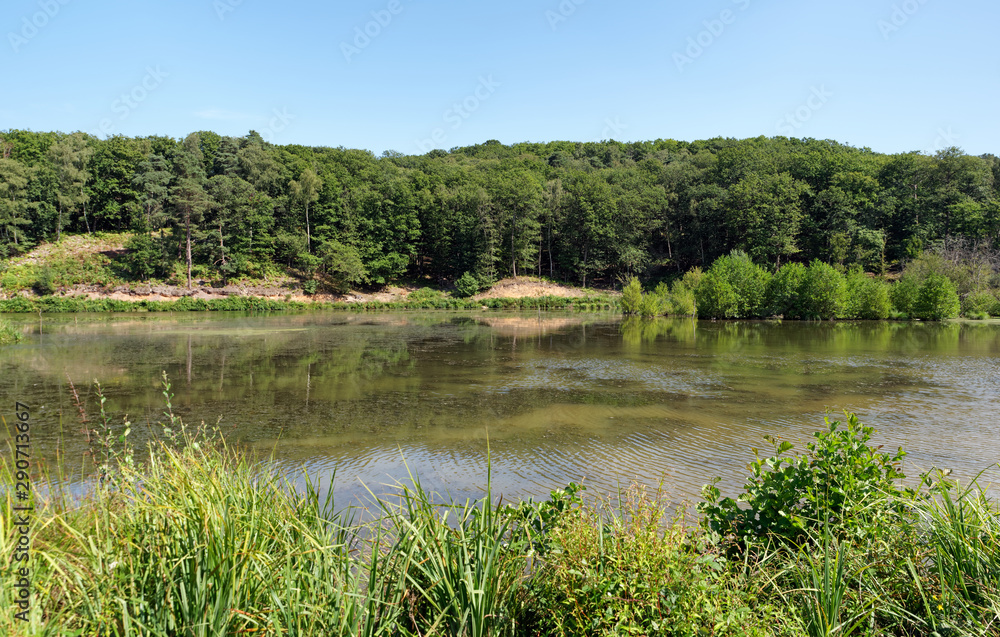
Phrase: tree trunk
pixel 308 234
pixel 552 265
pixel 187 227
pixel 222 245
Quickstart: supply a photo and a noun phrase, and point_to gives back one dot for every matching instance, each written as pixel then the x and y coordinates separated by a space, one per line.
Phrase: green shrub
pixel 682 301
pixel 310 286
pixel 716 298
pixel 45 283
pixel 867 297
pixel 632 297
pixel 692 278
pixel 652 305
pixel 936 299
pixel 625 568
pixel 467 285
pixel 783 291
pixel 840 481
pixel 978 303
pixel 904 294
pixel 734 287
pixel 823 292
pixel 142 257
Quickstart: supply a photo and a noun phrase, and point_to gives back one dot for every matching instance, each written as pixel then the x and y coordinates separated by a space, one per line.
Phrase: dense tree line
pixel 230 206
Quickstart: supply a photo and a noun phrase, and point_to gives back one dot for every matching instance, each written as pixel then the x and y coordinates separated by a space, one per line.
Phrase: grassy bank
pixel 59 304
pixel 200 539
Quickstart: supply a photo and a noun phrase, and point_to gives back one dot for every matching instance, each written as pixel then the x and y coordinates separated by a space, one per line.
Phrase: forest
pixel 587 213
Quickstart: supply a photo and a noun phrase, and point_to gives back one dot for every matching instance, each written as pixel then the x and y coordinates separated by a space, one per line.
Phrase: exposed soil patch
pixel 112 246
pixel 529 287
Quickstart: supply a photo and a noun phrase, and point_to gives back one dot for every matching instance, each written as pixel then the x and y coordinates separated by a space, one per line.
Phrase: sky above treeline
pixel 412 75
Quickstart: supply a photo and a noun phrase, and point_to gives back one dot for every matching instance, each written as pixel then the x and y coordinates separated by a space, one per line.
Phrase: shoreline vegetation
pixel 194 536
pixel 949 280
pixel 102 216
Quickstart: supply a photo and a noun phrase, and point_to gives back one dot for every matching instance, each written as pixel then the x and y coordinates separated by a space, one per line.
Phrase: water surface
pixel 558 397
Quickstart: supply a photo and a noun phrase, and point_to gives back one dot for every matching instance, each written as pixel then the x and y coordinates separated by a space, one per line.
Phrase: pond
pixel 549 398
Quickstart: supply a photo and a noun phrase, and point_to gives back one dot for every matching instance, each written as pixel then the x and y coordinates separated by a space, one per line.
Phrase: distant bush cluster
pixel 953 279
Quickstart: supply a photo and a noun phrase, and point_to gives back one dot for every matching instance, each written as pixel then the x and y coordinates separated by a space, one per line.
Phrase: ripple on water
pixel 582 374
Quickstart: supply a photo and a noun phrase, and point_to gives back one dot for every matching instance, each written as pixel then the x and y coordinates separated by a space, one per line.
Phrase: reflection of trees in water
pixel 636 330
pixel 832 337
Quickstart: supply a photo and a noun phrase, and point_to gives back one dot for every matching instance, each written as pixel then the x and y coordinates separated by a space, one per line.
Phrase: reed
pixel 201 537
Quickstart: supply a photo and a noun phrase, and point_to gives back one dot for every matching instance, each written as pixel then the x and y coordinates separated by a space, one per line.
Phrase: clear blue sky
pixel 892 75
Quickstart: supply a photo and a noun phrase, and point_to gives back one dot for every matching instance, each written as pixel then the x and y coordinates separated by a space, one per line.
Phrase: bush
pixel 692 278
pixel 310 286
pixel 716 298
pixel 682 301
pixel 904 294
pixel 142 257
pixel 45 283
pixel 652 305
pixel 867 297
pixel 823 292
pixel 467 285
pixel 841 481
pixel 979 303
pixel 936 299
pixel 783 291
pixel 625 568
pixel 342 265
pixel 632 297
pixel 734 287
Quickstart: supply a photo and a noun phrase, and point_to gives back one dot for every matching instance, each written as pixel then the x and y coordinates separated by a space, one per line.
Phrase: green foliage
pixel 867 297
pixel 962 530
pixel 342 265
pixel 825 586
pixel 734 287
pixel 624 567
pixel 309 286
pixel 142 257
pixel 632 297
pixel 652 305
pixel 459 569
pixel 682 299
pixel 579 211
pixel 979 303
pixel 195 537
pixel 784 290
pixel 716 298
pixel 45 283
pixel 823 293
pixel 467 285
pixel 904 294
pixel 536 521
pixel 840 481
pixel 936 299
pixel 9 335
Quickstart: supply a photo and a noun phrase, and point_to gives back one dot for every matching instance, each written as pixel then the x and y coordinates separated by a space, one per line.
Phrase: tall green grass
pixel 9 335
pixel 196 536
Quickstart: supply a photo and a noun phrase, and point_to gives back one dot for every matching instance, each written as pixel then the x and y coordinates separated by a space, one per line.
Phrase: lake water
pixel 558 397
